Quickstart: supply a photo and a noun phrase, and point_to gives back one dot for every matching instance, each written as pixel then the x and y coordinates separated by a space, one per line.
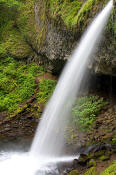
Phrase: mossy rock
pixel 104 158
pixel 27 25
pixel 74 172
pixel 98 154
pixel 74 13
pixel 92 163
pixel 17 85
pixel 18 111
pixel 15 45
pixel 111 170
pixel 91 171
pixel 83 159
pixel 114 140
pixel 17 28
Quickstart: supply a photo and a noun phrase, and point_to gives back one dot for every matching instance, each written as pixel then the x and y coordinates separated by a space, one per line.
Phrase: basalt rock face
pixel 55 42
pixel 105 58
pixel 104 61
pixel 48 31
pixel 61 30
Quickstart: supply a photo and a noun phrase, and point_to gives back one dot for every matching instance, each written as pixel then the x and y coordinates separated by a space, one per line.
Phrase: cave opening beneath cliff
pixel 93 83
pixel 100 84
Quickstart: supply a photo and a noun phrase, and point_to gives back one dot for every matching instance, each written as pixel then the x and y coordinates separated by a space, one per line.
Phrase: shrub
pixel 86 109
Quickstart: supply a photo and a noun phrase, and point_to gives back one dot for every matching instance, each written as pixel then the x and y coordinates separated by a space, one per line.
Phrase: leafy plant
pixel 17 83
pixel 46 90
pixel 86 109
pixel 114 140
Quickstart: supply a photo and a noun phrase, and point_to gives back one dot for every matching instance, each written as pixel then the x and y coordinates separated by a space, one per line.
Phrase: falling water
pixel 48 143
pixel 49 138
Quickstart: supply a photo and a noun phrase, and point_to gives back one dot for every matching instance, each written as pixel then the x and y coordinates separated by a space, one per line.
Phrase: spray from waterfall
pixel 49 138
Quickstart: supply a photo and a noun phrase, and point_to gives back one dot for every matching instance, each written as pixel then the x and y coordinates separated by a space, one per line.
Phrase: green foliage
pixel 18 27
pixel 7 16
pixel 2 51
pixel 104 158
pixel 66 9
pixel 92 163
pixel 114 140
pixel 15 45
pixel 85 11
pixel 111 170
pixel 86 109
pixel 91 171
pixel 46 89
pixel 74 172
pixel 26 20
pixel 36 70
pixel 74 12
pixel 8 11
pixel 11 3
pixel 13 40
pixel 115 29
pixel 111 26
pixel 17 83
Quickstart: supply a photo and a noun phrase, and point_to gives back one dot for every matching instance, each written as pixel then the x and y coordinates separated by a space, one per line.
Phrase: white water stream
pixel 48 144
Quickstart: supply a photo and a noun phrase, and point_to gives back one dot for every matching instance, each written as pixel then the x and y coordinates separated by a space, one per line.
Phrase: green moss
pixel 17 83
pixel 99 154
pixel 11 3
pixel 86 110
pixel 74 12
pixel 19 30
pixel 114 140
pixel 104 158
pixel 92 163
pixel 7 15
pixel 12 41
pixel 111 170
pixel 46 89
pixel 25 16
pixel 91 171
pixel 26 22
pixel 20 109
pixel 66 9
pixel 87 9
pixel 115 29
pixel 15 45
pixel 74 172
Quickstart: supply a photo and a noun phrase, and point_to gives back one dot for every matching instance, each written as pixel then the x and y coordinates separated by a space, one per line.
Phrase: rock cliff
pixel 48 31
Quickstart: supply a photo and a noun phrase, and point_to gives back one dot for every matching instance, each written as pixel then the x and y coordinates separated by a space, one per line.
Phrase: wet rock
pixel 58 40
pixel 83 159
pixel 104 158
pixel 96 148
pixel 92 163
pixel 75 163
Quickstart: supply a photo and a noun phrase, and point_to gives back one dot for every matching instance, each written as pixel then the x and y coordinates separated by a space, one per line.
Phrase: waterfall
pixel 49 138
